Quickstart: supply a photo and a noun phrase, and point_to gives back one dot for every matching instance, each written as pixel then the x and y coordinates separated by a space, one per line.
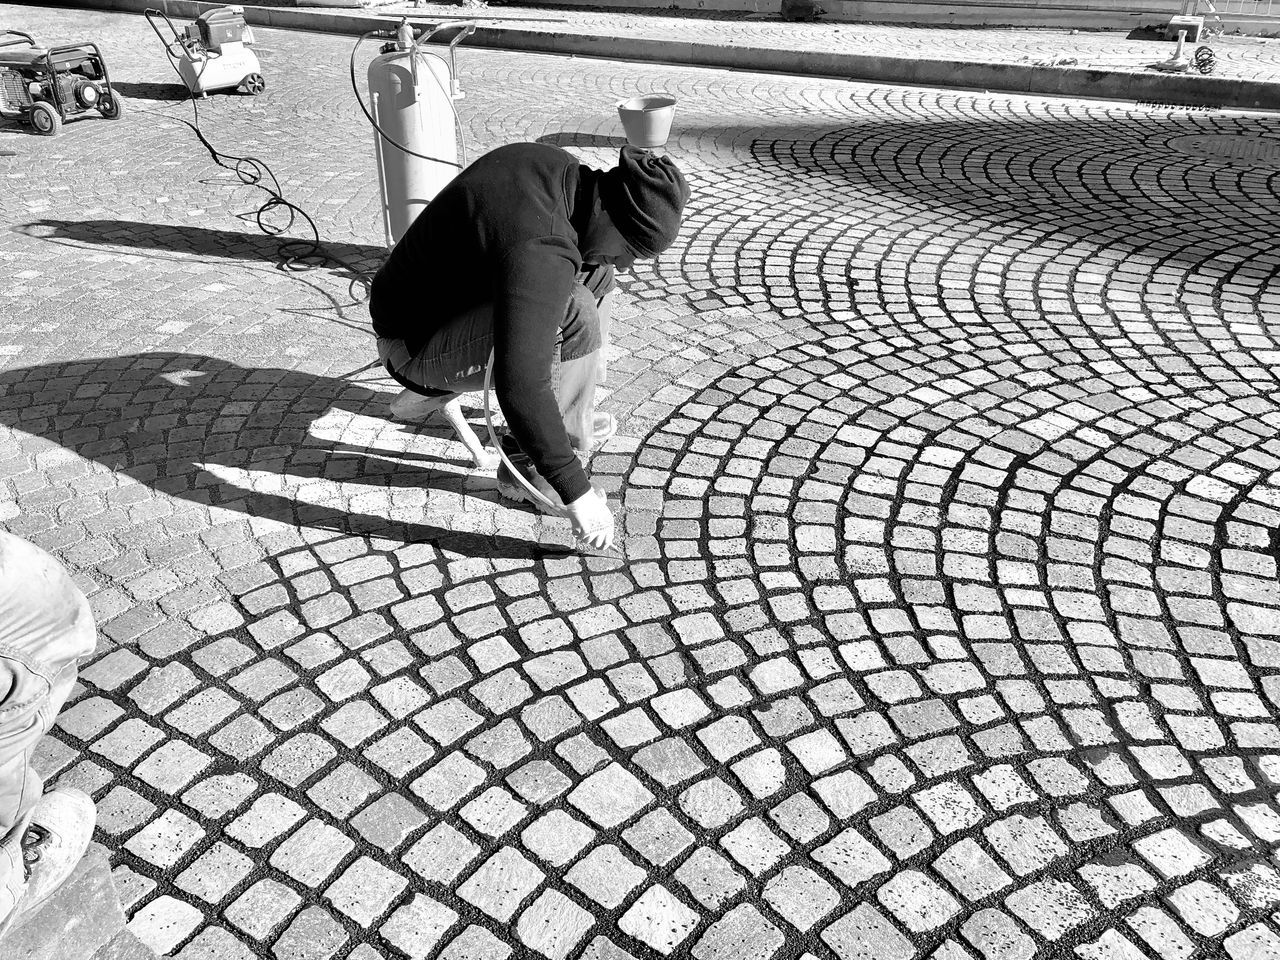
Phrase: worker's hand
pixel 592 520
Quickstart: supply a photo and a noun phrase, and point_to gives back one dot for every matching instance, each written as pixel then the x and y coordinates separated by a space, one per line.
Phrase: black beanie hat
pixel 644 196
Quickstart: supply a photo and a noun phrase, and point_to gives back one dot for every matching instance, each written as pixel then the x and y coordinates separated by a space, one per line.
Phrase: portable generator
pixel 214 52
pixel 46 85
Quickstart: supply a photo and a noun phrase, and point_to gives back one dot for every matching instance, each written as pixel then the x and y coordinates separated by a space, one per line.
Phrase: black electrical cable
pixel 296 254
pixel 374 123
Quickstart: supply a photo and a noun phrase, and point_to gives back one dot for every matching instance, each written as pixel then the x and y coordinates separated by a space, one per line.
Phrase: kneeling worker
pixel 516 254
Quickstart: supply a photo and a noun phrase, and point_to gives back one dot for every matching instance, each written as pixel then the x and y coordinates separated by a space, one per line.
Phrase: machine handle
pixel 151 15
pixel 55 56
pixel 465 29
pixel 75 48
pixel 15 33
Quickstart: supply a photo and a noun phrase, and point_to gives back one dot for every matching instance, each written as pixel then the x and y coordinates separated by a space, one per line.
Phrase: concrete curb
pixel 1181 89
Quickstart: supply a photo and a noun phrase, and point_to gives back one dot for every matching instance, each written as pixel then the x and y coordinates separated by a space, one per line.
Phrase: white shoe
pixel 412 406
pixel 56 838
pixel 603 426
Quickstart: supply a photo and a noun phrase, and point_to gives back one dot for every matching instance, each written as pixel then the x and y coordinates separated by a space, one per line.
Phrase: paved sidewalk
pixel 1238 57
pixel 1097 64
pixel 949 476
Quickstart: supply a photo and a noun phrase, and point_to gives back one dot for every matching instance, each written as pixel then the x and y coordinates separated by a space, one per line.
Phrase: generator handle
pixel 151 14
pixel 76 47
pixel 18 34
pixel 465 29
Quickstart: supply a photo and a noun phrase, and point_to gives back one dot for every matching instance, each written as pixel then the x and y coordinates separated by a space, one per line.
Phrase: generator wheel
pixel 45 119
pixel 110 106
pixel 254 84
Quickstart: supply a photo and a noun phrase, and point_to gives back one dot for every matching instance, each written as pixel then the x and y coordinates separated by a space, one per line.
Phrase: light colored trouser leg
pixel 604 310
pixel 575 386
pixel 575 379
pixel 13 880
pixel 45 627
pixel 21 786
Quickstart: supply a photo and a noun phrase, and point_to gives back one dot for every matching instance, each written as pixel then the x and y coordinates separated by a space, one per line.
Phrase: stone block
pixel 1193 25
pixel 125 946
pixel 83 915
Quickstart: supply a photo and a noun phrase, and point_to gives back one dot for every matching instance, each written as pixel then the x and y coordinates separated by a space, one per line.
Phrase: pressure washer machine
pixel 214 52
pixel 45 86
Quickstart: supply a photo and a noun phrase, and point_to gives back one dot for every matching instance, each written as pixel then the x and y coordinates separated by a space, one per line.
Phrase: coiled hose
pixel 296 254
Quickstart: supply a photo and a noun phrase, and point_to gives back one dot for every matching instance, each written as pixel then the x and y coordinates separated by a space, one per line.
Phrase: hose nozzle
pixel 404 35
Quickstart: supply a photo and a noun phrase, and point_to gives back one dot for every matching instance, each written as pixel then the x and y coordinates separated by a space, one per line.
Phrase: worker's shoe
pixel 411 405
pixel 513 489
pixel 603 426
pixel 56 838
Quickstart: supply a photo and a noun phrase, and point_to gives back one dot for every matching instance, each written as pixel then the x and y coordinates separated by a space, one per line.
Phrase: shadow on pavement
pixel 568 138
pixel 151 91
pixel 197 241
pixel 186 424
pixel 1112 181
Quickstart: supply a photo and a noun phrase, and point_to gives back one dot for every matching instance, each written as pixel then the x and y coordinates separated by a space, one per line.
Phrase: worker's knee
pixel 45 620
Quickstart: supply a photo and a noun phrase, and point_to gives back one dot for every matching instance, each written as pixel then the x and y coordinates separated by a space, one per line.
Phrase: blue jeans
pixel 45 627
pixel 454 359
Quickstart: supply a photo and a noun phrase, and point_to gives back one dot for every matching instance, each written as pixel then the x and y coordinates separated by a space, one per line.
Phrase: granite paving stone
pixel 553 925
pixel 312 853
pixel 659 920
pixel 500 884
pixel 365 890
pixel 441 853
pixel 262 907
pixel 313 935
pixel 606 875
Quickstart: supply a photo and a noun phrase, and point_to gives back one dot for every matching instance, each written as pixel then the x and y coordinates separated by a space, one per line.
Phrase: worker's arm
pixel 533 288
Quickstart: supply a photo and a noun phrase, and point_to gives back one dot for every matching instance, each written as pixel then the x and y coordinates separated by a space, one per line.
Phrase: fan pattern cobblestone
pixel 950 485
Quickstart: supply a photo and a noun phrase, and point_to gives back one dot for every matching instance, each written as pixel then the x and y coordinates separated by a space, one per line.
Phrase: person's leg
pixel 574 375
pixel 13 875
pixel 605 311
pixel 583 339
pixel 600 282
pixel 45 627
pixel 450 363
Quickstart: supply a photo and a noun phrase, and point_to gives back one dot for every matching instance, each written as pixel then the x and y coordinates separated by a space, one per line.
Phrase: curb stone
pixel 1059 81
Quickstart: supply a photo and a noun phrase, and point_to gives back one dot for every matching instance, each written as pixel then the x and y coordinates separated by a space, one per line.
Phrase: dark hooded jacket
pixel 504 231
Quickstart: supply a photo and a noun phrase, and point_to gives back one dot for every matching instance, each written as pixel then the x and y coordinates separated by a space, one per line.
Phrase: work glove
pixel 591 519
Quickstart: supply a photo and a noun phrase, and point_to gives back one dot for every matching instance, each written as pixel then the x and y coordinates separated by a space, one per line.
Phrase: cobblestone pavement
pixel 950 625
pixel 1256 58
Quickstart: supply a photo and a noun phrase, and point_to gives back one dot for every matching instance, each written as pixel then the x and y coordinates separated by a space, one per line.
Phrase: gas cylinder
pixel 410 92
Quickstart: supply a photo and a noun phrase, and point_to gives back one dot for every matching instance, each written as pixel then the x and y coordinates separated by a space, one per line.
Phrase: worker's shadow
pixel 219 434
